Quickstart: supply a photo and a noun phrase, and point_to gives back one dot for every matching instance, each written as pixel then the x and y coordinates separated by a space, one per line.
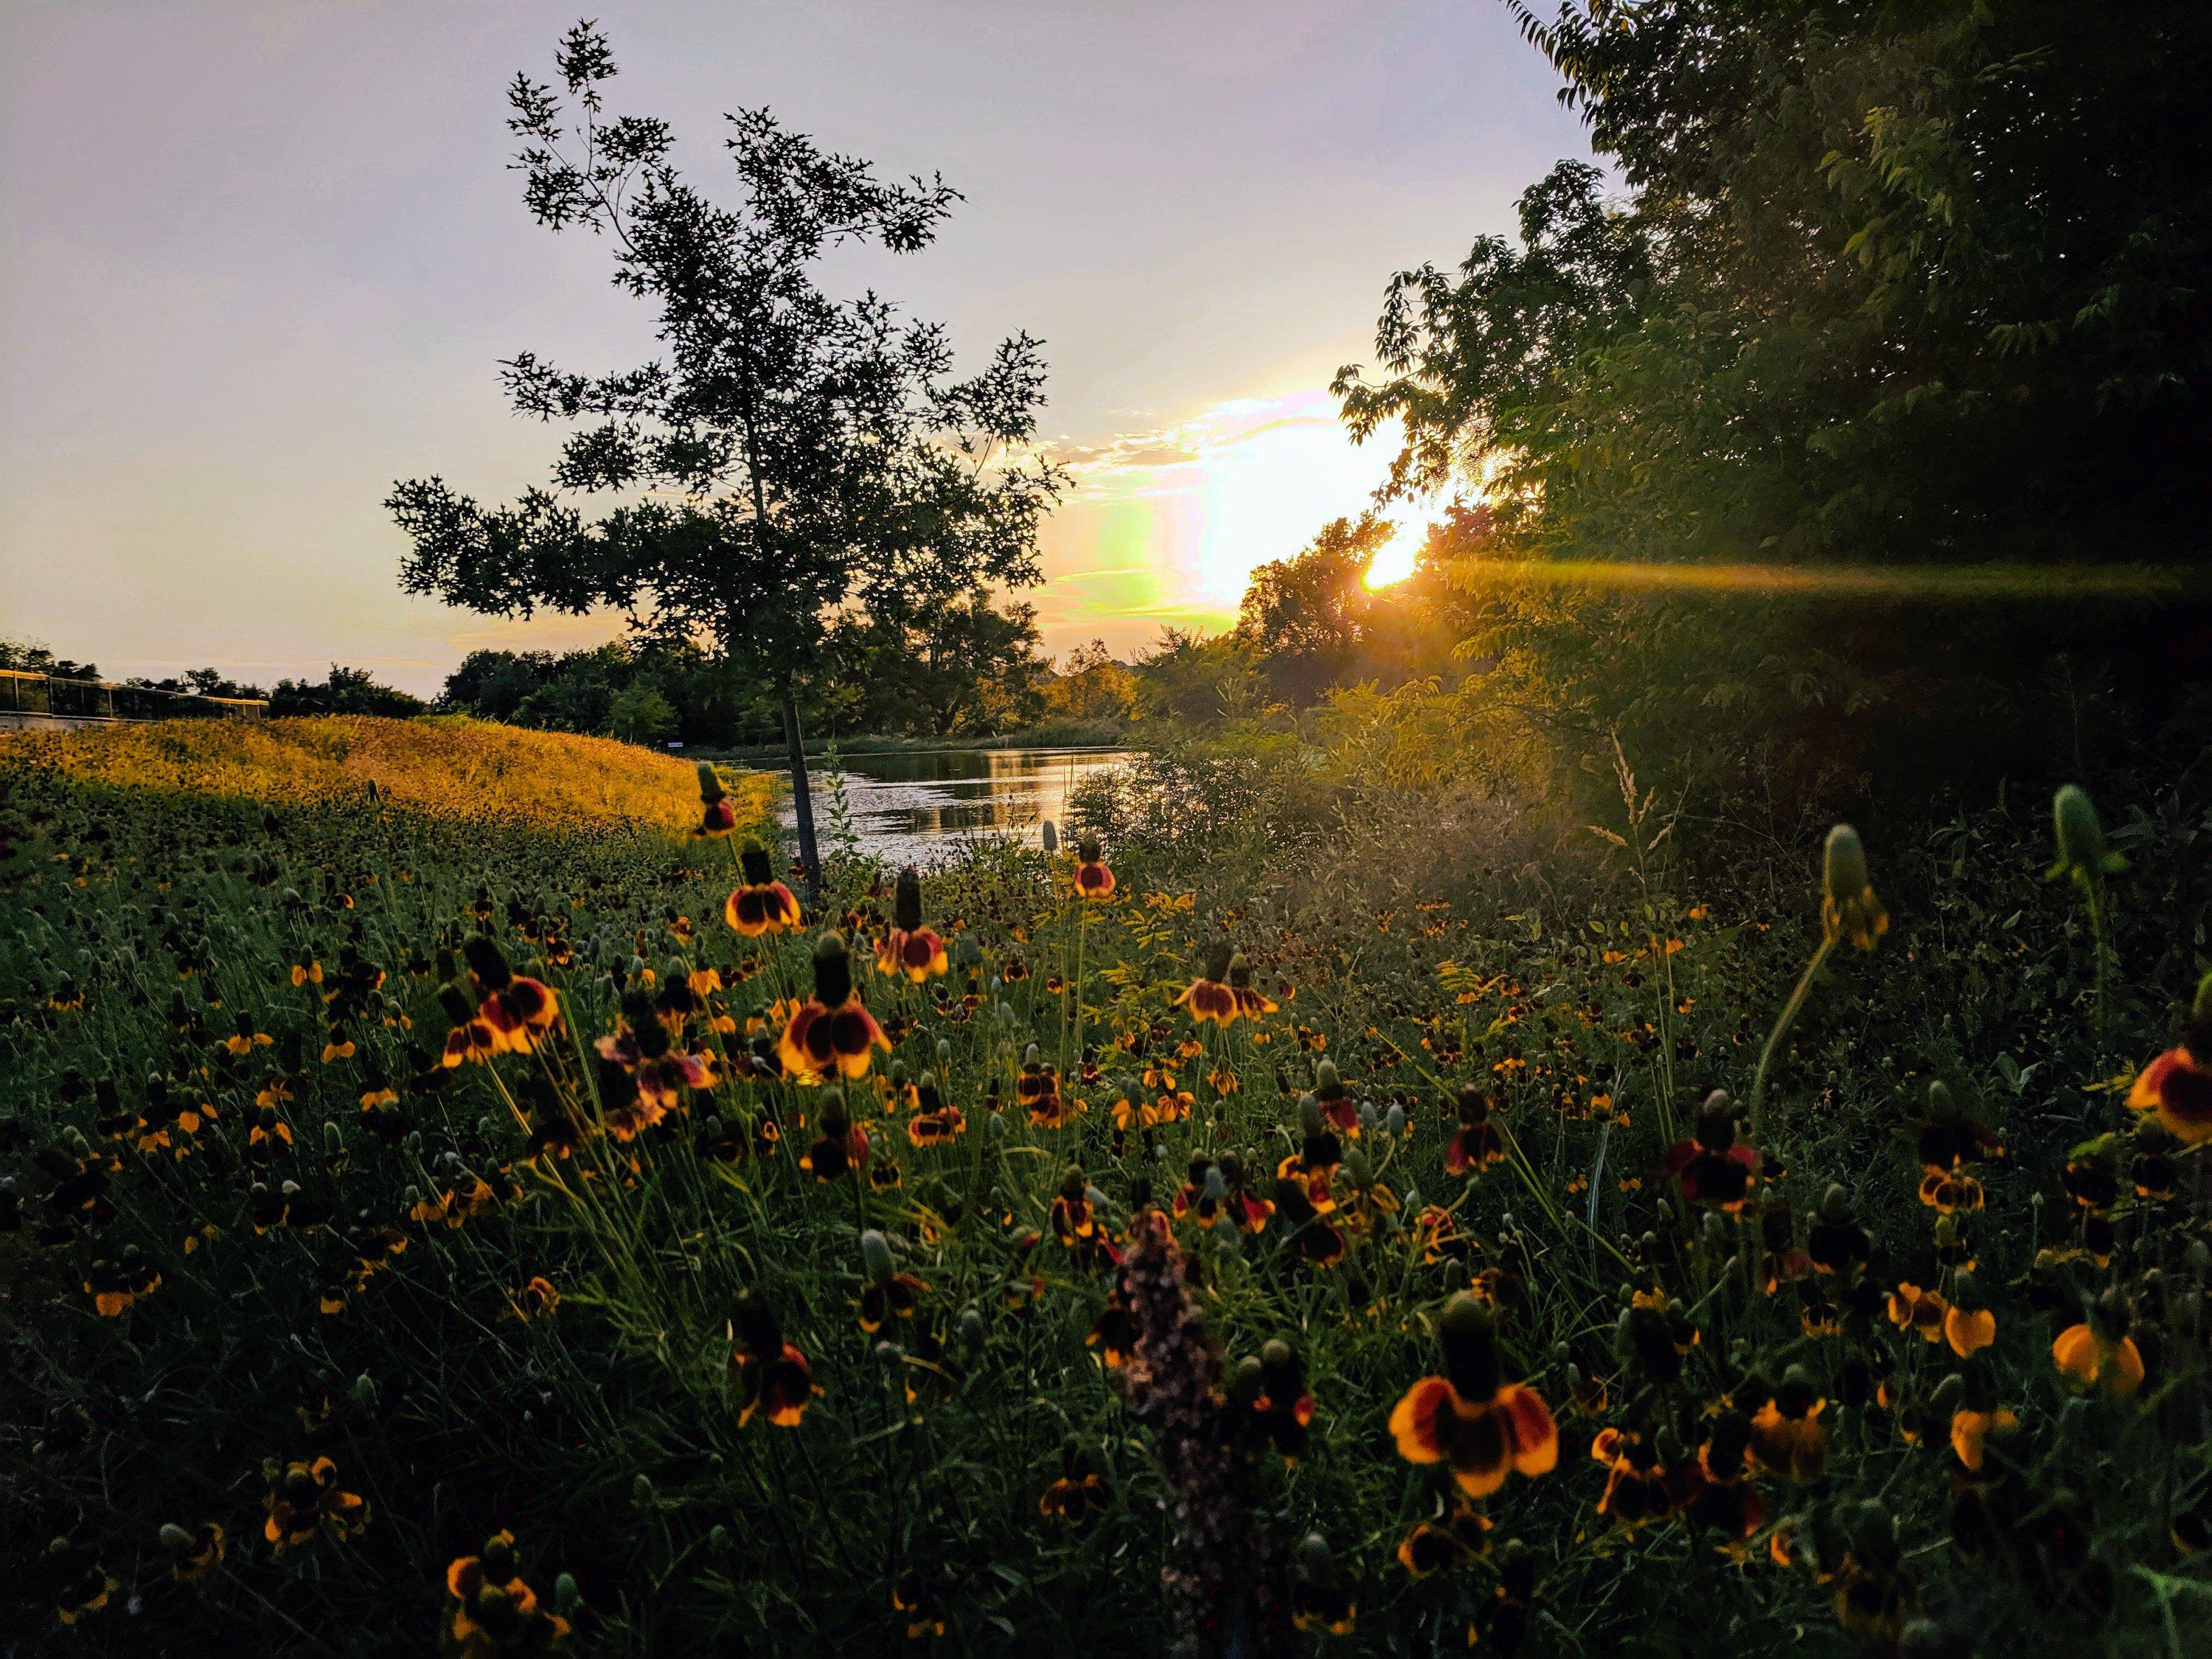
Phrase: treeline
pixel 1309 625
pixel 343 691
pixel 969 668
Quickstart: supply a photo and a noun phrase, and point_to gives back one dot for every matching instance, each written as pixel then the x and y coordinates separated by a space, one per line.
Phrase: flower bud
pixel 876 1256
pixel 2082 853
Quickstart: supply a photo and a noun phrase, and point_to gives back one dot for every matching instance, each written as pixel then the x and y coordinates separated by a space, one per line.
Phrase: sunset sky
pixel 261 260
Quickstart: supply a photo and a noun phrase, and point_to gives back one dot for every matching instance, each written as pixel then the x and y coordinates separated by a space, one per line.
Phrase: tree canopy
pixel 1909 287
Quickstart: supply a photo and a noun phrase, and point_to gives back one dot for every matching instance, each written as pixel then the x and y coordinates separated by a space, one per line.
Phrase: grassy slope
pixel 443 767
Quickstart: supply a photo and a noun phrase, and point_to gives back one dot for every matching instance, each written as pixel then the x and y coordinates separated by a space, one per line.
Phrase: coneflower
pixel 910 948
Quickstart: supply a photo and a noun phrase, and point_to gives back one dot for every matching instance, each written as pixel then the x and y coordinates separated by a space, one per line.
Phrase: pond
pixel 911 807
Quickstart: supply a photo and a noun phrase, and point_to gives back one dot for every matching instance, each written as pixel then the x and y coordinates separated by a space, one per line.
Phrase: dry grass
pixel 447 766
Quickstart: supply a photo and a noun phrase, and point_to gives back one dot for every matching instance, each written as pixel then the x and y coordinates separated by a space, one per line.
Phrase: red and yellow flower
pixel 771 1375
pixel 1093 880
pixel 832 1031
pixel 1486 1427
pixel 306 1502
pixel 910 948
pixel 761 904
pixel 494 1611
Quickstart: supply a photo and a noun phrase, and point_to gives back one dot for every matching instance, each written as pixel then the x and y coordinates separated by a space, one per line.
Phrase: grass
pixel 515 1293
pixel 443 767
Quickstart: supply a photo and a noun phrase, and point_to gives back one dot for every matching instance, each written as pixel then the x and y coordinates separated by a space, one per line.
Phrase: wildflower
pixel 1848 909
pixel 918 1604
pixel 910 948
pixel 1250 1001
pixel 1780 1263
pixel 1640 1487
pixel 934 1123
pixel 516 1007
pixel 2177 1085
pixel 770 1374
pixel 832 1031
pixel 1436 1230
pixel 842 1148
pixel 1334 1099
pixel 1217 1189
pixel 1967 1329
pixel 718 814
pixel 1037 1088
pixel 196 1554
pixel 244 1040
pixel 1724 1500
pixel 1484 1425
pixel 889 1294
pixel 657 1069
pixel 537 1299
pixel 305 1501
pixel 1314 1165
pixel 472 1037
pixel 1476 1144
pixel 1787 1435
pixel 763 904
pixel 2098 1352
pixel 115 1285
pixel 1093 880
pixel 1971 1430
pixel 1460 1534
pixel 1308 1235
pixel 1208 997
pixel 1075 1221
pixel 1079 1493
pixel 1713 1167
pixel 1320 1599
pixel 1911 1308
pixel 80 1584
pixel 494 1611
pixel 1283 1410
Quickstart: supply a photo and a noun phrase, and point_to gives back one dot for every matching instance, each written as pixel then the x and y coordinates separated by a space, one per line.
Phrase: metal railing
pixel 22 693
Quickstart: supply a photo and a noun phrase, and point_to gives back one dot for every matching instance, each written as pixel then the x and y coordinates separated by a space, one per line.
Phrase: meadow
pixel 452 1197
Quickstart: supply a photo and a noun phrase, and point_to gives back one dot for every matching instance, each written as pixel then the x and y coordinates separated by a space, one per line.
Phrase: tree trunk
pixel 802 802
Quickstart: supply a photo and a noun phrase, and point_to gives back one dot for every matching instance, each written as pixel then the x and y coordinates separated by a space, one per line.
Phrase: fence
pixel 22 693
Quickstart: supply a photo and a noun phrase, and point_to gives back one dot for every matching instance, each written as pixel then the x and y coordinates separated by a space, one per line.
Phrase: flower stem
pixel 1788 1018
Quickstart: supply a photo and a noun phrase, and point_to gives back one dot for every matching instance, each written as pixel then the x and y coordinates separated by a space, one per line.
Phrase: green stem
pixel 1788 1018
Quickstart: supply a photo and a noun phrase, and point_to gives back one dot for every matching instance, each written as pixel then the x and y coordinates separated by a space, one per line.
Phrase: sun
pixel 1395 562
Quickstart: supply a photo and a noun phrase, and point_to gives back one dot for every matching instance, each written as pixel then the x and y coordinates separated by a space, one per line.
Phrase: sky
pixel 261 259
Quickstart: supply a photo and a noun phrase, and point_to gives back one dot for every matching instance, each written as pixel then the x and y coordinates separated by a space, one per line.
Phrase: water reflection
pixel 910 807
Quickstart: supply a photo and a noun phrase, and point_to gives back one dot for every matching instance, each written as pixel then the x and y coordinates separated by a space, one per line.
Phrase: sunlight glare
pixel 1395 562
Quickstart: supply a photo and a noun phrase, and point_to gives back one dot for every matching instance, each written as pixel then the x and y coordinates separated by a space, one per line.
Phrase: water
pixel 910 808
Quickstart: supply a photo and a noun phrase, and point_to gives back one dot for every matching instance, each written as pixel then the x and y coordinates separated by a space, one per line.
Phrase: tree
pixel 29 657
pixel 347 691
pixel 641 714
pixel 1197 680
pixel 1912 286
pixel 1305 616
pixel 809 457
pixel 492 684
pixel 966 665
pixel 1091 686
